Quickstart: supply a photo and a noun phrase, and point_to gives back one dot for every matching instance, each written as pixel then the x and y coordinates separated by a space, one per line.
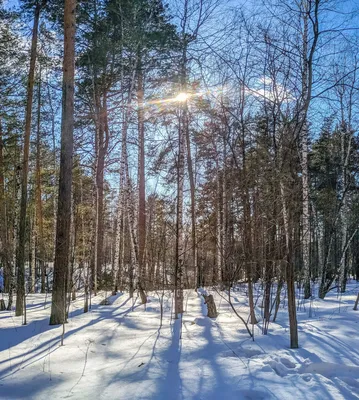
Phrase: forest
pixel 179 199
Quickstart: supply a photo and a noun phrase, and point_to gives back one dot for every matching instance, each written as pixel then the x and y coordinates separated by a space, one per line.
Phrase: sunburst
pixel 183 97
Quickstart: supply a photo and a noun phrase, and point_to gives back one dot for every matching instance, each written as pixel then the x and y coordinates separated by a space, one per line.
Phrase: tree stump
pixel 2 305
pixel 211 306
pixel 105 302
pixel 142 295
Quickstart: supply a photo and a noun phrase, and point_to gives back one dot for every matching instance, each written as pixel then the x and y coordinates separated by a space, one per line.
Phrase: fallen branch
pixel 229 301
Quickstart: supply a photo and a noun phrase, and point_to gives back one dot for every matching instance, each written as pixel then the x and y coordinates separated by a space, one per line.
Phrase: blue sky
pixel 11 3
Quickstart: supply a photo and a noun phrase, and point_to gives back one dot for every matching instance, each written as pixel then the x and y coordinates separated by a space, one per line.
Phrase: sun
pixel 182 97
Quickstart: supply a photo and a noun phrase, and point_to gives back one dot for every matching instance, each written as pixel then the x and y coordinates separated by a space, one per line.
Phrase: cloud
pixel 267 89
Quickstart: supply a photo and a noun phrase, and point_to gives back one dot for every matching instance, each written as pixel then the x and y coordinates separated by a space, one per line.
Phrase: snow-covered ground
pixel 118 351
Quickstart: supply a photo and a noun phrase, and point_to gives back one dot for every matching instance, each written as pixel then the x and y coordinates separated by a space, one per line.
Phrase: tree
pixel 20 251
pixel 58 307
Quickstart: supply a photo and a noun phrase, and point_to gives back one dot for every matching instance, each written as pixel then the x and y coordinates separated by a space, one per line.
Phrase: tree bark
pixel 122 198
pixel 38 194
pixel 355 308
pixel 4 250
pixel 99 230
pixel 193 203
pixel 304 160
pixel 219 250
pixel 32 254
pixel 292 312
pixel 179 221
pixel 20 251
pixel 58 308
pixel 141 184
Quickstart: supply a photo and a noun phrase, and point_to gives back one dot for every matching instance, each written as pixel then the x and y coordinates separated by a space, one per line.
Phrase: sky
pixel 11 3
pixel 345 5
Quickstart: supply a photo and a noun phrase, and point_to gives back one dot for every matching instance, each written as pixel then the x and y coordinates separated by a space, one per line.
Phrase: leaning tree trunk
pixel 20 251
pixel 58 308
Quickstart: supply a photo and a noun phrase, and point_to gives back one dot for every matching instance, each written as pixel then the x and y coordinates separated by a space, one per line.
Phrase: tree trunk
pixel 141 184
pixel 134 241
pixel 71 288
pixel 179 214
pixel 193 202
pixel 277 299
pixel 100 165
pixel 224 218
pixel 58 309
pixel 219 249
pixel 292 312
pixel 20 251
pixel 305 215
pixel 345 154
pixel 38 194
pixel 32 255
pixel 83 263
pixel 120 231
pixel 356 303
pixel 121 220
pixel 54 176
pixel 247 226
pixel 102 141
pixel 14 237
pixel 304 161
pixel 4 249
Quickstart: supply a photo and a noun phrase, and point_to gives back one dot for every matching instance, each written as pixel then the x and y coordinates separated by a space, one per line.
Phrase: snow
pixel 119 351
